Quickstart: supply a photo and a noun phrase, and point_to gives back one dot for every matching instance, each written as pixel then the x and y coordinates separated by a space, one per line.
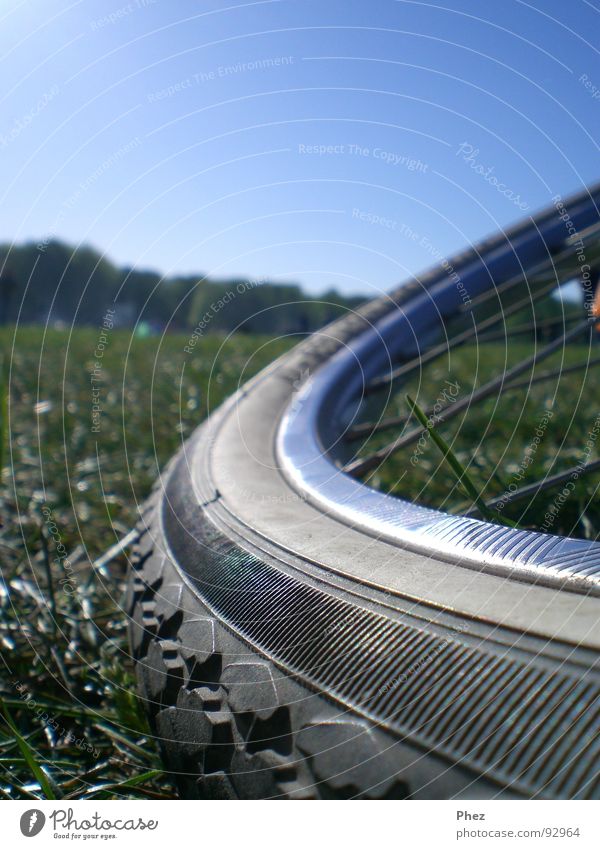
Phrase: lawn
pixel 92 419
pixel 84 455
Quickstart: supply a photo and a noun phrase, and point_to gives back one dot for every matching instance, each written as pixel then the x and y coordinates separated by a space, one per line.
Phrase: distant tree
pixel 52 282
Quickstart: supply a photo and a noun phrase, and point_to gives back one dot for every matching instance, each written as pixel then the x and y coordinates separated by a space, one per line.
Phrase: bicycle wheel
pixel 298 634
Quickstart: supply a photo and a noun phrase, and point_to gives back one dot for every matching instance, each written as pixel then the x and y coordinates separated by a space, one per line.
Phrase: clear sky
pixel 341 143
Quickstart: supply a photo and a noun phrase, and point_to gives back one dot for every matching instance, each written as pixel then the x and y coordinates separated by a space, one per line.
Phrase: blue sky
pixel 336 143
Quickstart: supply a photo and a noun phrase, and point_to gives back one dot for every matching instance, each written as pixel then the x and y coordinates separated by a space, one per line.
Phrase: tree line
pixel 55 283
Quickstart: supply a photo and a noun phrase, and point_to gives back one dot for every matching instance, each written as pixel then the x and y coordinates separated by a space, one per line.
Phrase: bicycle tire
pixel 285 650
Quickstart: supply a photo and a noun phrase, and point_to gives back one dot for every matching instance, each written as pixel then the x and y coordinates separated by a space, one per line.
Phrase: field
pixel 77 480
pixel 91 422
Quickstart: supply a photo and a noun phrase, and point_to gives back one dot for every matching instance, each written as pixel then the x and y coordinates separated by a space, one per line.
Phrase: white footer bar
pixel 249 825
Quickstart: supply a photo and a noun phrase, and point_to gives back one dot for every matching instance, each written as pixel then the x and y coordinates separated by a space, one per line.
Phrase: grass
pixel 71 725
pixel 463 478
pixel 505 442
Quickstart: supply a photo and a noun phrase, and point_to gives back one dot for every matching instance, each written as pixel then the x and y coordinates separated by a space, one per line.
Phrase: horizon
pixel 197 275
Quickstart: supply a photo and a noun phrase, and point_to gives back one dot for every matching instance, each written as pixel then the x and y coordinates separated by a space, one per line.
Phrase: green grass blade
pixel 144 754
pixel 105 790
pixel 138 779
pixel 457 467
pixel 27 752
pixel 3 410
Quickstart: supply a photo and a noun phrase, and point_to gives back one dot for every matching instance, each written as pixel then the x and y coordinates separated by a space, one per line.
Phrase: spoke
pixel 593 230
pixel 533 489
pixel 532 327
pixel 548 375
pixel 502 288
pixel 362 465
pixel 379 383
pixel 369 428
pixel 561 272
